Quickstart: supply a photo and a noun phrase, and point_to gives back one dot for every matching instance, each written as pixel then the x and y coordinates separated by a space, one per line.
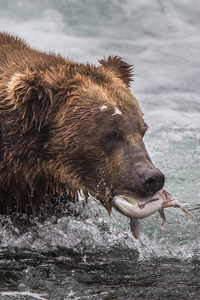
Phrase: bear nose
pixel 153 180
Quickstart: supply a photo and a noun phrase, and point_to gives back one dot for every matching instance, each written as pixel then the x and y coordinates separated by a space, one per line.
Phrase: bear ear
pixel 123 70
pixel 31 95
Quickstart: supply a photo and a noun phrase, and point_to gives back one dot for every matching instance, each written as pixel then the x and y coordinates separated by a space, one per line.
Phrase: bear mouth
pixel 140 197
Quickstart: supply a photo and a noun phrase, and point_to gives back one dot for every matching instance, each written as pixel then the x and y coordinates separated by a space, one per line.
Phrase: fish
pixel 136 209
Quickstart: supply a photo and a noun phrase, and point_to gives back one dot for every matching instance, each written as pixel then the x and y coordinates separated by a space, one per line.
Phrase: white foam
pixel 23 294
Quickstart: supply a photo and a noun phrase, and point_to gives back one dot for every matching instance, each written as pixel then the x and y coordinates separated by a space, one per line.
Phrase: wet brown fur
pixel 54 136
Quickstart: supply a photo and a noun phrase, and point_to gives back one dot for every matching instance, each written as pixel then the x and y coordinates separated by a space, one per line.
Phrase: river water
pixel 78 251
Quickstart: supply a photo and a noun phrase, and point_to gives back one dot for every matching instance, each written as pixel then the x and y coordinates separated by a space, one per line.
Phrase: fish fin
pixel 161 212
pixel 187 212
pixel 135 227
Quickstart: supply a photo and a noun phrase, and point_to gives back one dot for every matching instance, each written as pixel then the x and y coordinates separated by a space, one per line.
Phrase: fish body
pixel 140 208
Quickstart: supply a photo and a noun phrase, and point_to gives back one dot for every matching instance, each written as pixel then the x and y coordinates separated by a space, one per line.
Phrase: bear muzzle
pixel 152 180
pixel 143 185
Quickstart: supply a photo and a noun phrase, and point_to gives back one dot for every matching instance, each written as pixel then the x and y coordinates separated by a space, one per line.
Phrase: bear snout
pixel 152 180
pixel 140 183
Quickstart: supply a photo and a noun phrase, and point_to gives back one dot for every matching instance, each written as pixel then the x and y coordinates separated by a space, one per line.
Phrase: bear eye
pixel 114 136
pixel 112 141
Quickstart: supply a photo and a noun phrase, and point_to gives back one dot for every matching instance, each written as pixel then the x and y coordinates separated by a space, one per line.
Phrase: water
pixel 80 252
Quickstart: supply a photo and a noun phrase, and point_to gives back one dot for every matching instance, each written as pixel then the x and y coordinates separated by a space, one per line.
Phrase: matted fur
pixel 55 139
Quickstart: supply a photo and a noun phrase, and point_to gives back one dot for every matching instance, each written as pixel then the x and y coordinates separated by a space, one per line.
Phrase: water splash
pixel 22 295
pixel 90 230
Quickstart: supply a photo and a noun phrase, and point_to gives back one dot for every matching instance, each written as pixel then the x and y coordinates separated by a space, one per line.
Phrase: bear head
pixel 79 127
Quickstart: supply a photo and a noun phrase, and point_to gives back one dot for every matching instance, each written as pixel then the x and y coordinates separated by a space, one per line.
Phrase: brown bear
pixel 67 127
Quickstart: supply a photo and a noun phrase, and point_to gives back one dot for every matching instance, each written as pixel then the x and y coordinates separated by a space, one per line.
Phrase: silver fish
pixel 140 208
